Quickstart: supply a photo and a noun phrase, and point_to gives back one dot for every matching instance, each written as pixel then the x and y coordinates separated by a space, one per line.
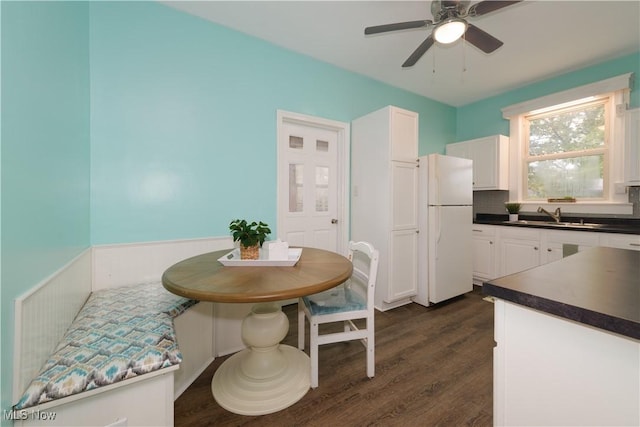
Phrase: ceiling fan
pixel 449 24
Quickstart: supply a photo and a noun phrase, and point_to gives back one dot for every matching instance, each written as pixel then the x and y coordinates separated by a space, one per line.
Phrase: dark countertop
pixel 599 287
pixel 604 225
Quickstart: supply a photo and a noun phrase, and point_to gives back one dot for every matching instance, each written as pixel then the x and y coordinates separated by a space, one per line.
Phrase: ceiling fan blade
pixel 488 6
pixel 417 54
pixel 397 26
pixel 481 39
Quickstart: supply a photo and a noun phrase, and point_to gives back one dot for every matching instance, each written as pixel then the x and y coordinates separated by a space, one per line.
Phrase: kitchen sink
pixel 557 224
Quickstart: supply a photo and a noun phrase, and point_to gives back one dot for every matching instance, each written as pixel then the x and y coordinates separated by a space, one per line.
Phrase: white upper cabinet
pixel 404 134
pixel 490 157
pixel 632 148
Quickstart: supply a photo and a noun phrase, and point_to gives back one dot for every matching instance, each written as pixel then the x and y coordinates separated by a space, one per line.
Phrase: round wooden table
pixel 267 376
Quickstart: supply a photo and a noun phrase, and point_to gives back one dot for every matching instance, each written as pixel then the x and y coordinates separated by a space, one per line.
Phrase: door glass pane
pixel 575 176
pixel 322 146
pixel 296 187
pixel 295 142
pixel 322 188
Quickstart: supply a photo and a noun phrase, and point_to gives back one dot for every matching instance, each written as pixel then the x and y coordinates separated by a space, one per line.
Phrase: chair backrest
pixel 365 269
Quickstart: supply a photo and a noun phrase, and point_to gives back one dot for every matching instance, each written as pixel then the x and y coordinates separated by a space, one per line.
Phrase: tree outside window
pixel 566 152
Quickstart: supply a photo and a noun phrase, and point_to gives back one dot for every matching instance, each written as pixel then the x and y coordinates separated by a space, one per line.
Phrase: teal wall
pixel 183 120
pixel 484 117
pixel 45 151
pixel 130 121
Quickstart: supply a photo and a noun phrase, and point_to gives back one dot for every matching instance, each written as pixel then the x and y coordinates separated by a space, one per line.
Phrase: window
pixel 566 150
pixel 570 144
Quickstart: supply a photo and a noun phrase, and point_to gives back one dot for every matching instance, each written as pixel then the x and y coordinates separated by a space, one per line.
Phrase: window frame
pixel 607 102
pixel 617 199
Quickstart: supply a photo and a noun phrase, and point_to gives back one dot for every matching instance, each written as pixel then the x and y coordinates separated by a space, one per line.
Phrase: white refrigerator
pixel 446 214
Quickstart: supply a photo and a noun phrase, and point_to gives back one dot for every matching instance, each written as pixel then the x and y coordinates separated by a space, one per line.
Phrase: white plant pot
pixel 513 217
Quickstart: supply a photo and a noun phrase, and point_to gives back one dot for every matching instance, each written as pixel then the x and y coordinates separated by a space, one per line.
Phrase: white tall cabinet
pixel 384 198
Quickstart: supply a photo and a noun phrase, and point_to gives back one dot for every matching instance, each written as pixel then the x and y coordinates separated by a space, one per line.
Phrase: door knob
pixel 334 221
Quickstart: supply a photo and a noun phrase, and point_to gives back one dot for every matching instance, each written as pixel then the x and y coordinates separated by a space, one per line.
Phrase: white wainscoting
pixel 128 264
pixel 42 316
pixel 45 312
pixel 125 264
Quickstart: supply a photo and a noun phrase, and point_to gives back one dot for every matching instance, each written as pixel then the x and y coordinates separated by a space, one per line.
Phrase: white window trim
pixel 618 198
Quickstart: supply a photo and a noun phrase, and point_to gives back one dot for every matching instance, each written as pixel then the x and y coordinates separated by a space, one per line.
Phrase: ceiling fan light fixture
pixel 449 30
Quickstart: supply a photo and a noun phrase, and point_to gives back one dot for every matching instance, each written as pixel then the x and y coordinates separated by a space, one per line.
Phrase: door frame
pixel 343 168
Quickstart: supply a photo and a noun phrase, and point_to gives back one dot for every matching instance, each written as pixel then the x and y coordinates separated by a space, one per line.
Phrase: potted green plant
pixel 250 235
pixel 513 208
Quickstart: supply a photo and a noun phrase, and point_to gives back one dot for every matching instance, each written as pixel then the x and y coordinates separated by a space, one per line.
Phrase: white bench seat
pixel 119 334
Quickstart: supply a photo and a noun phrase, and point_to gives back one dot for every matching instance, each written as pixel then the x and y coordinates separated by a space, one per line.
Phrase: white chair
pixel 345 303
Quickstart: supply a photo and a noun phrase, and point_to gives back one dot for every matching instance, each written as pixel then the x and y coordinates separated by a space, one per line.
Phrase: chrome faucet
pixel 555 215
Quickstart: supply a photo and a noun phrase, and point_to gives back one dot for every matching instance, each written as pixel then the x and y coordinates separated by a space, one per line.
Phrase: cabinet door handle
pixel 549 250
pixel 479 231
pixel 535 248
pixel 634 244
pixel 491 242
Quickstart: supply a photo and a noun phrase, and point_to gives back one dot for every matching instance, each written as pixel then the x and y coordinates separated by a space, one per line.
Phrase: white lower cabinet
pixel 519 249
pixel 503 250
pixel 622 241
pixel 484 253
pixel 554 243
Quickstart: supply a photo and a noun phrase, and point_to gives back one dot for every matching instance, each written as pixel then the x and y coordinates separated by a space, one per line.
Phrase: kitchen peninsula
pixel 568 341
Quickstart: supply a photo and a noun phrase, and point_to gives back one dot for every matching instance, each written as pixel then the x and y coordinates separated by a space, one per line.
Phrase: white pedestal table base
pixel 266 377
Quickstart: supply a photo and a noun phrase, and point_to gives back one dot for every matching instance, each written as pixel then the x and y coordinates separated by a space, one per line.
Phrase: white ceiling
pixel 542 39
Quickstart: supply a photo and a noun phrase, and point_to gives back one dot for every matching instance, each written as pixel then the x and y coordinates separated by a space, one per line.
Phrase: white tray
pixel 232 259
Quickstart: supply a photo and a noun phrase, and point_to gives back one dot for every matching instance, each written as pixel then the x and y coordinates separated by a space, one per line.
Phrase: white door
pixel 404 193
pixel 518 255
pixel 403 267
pixel 483 256
pixel 485 157
pixel 311 205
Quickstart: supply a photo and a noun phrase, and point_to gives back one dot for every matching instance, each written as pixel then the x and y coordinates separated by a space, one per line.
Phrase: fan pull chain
pixel 464 59
pixel 433 69
pixel 434 63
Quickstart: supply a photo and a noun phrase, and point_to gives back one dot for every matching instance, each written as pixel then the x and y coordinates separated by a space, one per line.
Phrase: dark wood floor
pixel 433 368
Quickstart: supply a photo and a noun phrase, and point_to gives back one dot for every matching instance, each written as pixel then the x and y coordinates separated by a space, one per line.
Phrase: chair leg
pixel 371 349
pixel 301 325
pixel 313 352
